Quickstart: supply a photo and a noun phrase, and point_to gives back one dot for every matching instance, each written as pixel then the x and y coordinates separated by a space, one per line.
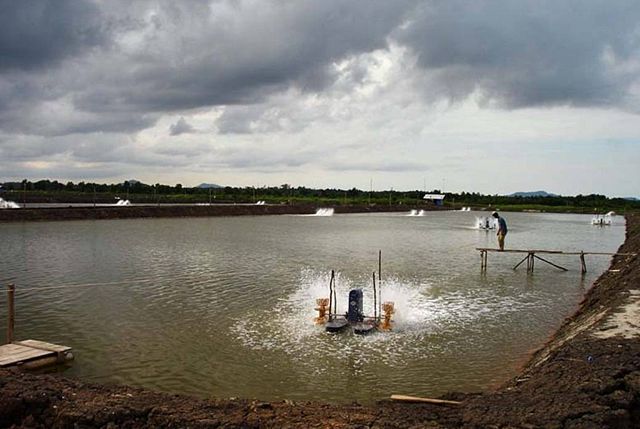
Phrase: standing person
pixel 502 229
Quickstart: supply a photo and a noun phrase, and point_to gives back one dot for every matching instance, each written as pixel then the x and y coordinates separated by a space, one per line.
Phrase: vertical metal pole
pixel 375 304
pixel 11 314
pixel 333 288
pixel 331 295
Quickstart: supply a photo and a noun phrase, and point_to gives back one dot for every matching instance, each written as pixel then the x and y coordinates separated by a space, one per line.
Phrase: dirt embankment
pixel 128 212
pixel 587 376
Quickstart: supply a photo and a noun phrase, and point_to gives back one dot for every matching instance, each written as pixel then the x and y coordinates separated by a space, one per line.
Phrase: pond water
pixel 224 306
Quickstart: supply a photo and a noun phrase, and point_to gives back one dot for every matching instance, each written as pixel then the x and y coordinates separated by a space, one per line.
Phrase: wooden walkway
pixel 532 255
pixel 32 351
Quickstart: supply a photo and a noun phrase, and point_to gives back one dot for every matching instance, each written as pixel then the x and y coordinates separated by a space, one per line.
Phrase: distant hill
pixel 532 194
pixel 208 186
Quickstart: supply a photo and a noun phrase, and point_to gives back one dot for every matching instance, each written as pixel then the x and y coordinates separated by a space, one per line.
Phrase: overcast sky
pixel 486 96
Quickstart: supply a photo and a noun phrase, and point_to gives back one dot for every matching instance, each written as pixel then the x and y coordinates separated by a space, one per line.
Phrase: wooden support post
pixel 483 261
pixel 11 313
pixel 583 264
pixel 532 256
pixel 379 283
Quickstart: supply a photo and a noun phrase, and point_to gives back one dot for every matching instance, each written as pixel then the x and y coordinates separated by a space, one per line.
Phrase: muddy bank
pixel 587 376
pixel 128 212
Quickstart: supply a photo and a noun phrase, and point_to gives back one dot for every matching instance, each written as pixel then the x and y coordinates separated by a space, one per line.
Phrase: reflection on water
pixel 224 306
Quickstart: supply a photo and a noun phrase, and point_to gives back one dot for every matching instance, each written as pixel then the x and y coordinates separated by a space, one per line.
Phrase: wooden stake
pixel 11 314
pixel 483 261
pixel 486 260
pixel 405 398
pixel 379 282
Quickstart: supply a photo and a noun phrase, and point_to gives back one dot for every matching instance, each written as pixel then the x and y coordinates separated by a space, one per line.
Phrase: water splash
pixel 602 220
pixel 123 203
pixel 485 223
pixel 416 213
pixel 4 204
pixel 289 327
pixel 420 316
pixel 324 212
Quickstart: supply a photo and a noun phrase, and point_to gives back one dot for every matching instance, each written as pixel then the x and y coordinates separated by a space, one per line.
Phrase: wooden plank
pixel 491 249
pixel 11 354
pixel 405 398
pixel 8 348
pixel 24 354
pixel 11 349
pixel 611 254
pixel 558 252
pixel 44 346
pixel 19 353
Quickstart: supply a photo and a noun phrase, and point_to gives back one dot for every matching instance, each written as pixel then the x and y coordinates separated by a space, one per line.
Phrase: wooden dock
pixel 33 353
pixel 28 353
pixel 532 255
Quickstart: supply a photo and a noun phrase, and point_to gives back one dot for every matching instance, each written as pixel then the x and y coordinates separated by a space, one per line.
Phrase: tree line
pixel 54 191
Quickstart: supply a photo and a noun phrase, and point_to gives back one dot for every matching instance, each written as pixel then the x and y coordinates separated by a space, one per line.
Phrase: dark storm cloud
pixel 240 52
pixel 37 33
pixel 84 148
pixel 527 53
pixel 116 66
pixel 164 56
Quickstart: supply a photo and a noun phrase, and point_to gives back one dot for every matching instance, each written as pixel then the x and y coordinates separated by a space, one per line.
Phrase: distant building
pixel 437 199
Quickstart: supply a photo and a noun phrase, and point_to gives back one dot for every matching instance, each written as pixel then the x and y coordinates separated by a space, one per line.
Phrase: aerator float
pixel 354 317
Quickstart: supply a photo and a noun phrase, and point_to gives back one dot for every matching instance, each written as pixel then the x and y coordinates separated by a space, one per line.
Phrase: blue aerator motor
pixel 355 314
